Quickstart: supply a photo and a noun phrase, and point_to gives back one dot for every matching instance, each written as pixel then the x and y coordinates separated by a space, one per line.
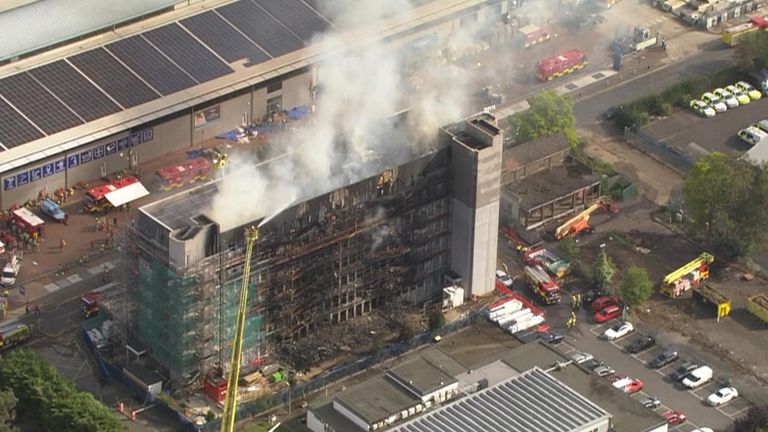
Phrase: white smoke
pixel 381 229
pixel 359 89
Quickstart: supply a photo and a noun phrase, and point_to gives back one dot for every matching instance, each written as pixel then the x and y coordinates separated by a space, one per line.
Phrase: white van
pixel 762 125
pixel 698 377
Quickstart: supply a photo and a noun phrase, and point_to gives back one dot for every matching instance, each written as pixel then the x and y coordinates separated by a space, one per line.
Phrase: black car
pixel 591 295
pixel 593 364
pixel 664 359
pixel 682 371
pixel 551 337
pixel 641 343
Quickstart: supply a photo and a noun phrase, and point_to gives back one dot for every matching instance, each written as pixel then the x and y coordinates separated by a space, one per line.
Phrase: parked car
pixel 750 91
pixel 592 364
pixel 722 396
pixel 752 135
pixel 704 429
pixel 698 377
pixel 729 99
pixel 618 331
pixel 591 295
pixel 663 359
pixel 715 102
pixel 603 302
pixel 674 417
pixel 641 343
pixel 682 371
pixel 738 94
pixel 762 125
pixel 504 278
pixel 651 402
pixel 551 337
pixel 580 357
pixel 628 385
pixel 607 314
pixel 603 371
pixel 702 108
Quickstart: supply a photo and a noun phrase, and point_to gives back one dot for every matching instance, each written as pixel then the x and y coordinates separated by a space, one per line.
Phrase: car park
pixel 674 417
pixel 580 357
pixel 605 301
pixel 603 371
pixel 628 385
pixel 618 331
pixel 738 94
pixel 607 314
pixel 640 344
pixel 715 102
pixel 698 377
pixel 750 91
pixel 729 99
pixel 722 396
pixel 651 402
pixel 663 359
pixel 703 108
pixel 681 372
pixel 752 135
pixel 504 278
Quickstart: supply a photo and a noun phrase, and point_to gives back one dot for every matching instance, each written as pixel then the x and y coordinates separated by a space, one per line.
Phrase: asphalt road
pixel 597 100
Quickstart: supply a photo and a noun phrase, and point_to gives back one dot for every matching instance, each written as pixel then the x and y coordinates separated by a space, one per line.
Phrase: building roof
pixel 439 359
pixel 177 211
pixel 532 151
pixel 376 399
pixel 39 24
pixel 420 377
pixel 758 154
pixel 550 184
pixel 532 401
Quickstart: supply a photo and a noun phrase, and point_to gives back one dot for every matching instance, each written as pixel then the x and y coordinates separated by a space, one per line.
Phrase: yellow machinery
pixel 689 275
pixel 230 401
pixel 708 295
pixel 576 224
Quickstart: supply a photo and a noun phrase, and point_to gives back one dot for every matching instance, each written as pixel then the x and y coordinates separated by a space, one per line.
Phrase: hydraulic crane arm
pixel 689 267
pixel 230 402
pixel 565 229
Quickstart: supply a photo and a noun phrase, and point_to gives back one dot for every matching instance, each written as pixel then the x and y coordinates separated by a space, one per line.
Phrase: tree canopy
pixel 637 287
pixel 549 113
pixel 756 420
pixel 728 200
pixel 7 406
pixel 49 400
pixel 603 270
pixel 752 51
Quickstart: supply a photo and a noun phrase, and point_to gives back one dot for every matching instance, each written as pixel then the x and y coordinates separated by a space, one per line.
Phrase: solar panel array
pixel 145 67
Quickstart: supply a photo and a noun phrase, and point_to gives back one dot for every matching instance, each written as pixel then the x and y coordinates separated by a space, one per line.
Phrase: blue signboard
pixel 123 144
pixel 73 160
pixel 9 183
pixel 147 135
pixel 36 174
pixel 22 178
pixel 135 139
pixel 98 152
pixel 48 169
pixel 111 148
pixel 59 166
pixel 85 157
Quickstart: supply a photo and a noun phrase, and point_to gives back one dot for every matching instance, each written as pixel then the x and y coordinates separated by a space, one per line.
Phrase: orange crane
pixel 230 402
pixel 578 223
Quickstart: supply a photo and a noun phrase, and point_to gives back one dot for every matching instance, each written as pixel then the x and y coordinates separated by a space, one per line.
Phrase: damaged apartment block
pixel 381 241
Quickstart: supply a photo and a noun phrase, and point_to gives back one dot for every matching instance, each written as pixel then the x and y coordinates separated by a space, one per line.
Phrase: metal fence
pixel 658 150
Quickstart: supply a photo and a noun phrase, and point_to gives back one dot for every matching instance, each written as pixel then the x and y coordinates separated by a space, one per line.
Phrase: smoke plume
pixel 349 136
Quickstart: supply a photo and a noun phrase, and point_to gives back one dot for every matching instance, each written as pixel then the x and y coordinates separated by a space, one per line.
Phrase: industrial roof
pixel 550 184
pixel 177 211
pixel 532 151
pixel 532 401
pixel 420 377
pixel 38 24
pixel 376 399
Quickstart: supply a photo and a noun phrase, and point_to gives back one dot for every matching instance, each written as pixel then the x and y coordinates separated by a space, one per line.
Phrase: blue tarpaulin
pixel 298 112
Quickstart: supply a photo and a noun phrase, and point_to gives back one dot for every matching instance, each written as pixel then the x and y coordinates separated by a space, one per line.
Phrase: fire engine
pixel 27 222
pixel 687 276
pixel 542 285
pixel 96 198
pixel 733 35
pixel 531 35
pixel 560 65
pixel 184 173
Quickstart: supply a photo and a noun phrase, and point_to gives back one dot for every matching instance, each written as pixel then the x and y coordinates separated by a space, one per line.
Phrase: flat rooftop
pixel 420 377
pixel 376 399
pixel 177 211
pixel 439 359
pixel 532 151
pixel 551 184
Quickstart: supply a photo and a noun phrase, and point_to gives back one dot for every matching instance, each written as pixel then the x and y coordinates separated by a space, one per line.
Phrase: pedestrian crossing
pixel 79 276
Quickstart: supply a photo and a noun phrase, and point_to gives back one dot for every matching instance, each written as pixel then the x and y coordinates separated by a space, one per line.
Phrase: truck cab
pixel 10 271
pixel 53 210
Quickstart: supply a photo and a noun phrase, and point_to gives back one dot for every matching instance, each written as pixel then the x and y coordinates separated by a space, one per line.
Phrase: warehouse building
pixel 82 98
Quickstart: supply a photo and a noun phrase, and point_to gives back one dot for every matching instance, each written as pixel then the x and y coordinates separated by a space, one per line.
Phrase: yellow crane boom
pixel 689 267
pixel 230 401
pixel 564 229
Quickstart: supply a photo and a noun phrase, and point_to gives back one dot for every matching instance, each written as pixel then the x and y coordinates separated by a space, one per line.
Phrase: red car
pixel 607 314
pixel 674 417
pixel 603 302
pixel 628 385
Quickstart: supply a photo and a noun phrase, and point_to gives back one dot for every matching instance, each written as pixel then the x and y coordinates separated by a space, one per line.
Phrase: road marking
pixel 75 278
pixel 51 287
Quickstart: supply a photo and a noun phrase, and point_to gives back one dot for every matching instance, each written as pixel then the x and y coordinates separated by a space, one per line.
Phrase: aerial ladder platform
pixel 687 276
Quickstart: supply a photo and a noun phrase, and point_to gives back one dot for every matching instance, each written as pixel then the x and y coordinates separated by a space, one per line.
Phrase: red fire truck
pixel 96 199
pixel 89 304
pixel 27 222
pixel 184 173
pixel 531 35
pixel 559 65
pixel 542 285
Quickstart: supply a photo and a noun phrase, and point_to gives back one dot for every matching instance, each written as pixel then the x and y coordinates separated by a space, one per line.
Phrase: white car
pixel 580 357
pixel 728 98
pixel 702 108
pixel 698 377
pixel 504 278
pixel 714 102
pixel 750 91
pixel 752 135
pixel 704 429
pixel 722 396
pixel 738 94
pixel 618 331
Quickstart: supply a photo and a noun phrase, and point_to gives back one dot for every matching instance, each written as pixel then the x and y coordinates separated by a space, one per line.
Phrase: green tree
pixel 570 248
pixel 7 410
pixel 756 420
pixel 603 270
pixel 549 114
pixel 752 52
pixel 436 320
pixel 637 287
pixel 727 199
